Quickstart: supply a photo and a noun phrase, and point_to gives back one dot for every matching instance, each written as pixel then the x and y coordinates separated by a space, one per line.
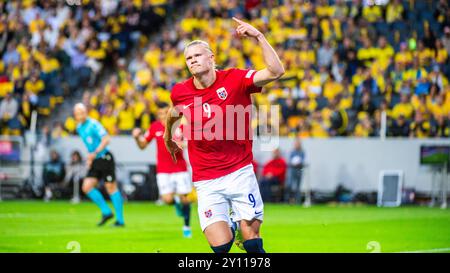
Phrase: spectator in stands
pixel 399 127
pixel 292 193
pixel 420 128
pixel 376 124
pixel 446 39
pixel 75 172
pixel 273 176
pixel 368 84
pixel 53 175
pixel 95 35
pixel 364 127
pixel 366 104
pixel 34 85
pixel 8 110
pixel 325 54
pixel 404 107
pixel 58 131
pixel 441 127
pixel 289 109
pixel 126 119
pixel 11 56
pixel 109 120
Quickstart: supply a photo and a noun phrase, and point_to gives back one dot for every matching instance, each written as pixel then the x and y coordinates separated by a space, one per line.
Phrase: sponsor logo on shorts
pixel 208 213
pixel 258 212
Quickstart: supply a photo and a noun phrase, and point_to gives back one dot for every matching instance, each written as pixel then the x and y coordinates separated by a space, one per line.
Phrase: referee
pixel 100 165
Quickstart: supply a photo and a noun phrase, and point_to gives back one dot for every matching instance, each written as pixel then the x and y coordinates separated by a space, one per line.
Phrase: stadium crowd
pixel 347 62
pixel 54 49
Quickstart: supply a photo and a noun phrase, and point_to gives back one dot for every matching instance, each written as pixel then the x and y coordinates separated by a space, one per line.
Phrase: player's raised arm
pixel 274 68
pixel 139 138
pixel 172 116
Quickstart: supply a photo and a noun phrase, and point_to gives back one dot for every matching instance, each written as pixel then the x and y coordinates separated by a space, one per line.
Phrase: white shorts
pixel 179 183
pixel 238 190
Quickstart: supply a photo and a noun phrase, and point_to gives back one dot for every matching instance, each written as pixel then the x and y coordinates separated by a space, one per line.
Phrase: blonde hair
pixel 198 42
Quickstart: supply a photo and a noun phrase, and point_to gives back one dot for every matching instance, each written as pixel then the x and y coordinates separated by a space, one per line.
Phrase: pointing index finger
pixel 237 20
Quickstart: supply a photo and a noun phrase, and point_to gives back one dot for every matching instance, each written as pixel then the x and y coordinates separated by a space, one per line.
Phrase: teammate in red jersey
pixel 215 104
pixel 174 183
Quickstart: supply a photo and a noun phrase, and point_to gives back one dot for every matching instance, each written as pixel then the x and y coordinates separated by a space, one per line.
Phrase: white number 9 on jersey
pixel 207 109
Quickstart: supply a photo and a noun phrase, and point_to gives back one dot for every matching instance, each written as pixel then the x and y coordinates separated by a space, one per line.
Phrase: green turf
pixel 50 227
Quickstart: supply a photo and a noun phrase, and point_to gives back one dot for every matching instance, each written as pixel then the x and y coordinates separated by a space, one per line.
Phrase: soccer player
pixel 174 183
pixel 100 165
pixel 222 170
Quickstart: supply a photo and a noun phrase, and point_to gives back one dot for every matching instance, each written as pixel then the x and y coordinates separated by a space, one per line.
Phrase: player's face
pixel 79 114
pixel 199 59
pixel 162 113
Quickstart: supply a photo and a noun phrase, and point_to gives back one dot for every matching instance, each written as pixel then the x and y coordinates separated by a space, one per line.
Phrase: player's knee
pixel 87 186
pixel 250 230
pixel 168 199
pixel 111 187
pixel 225 248
pixel 250 235
pixel 184 199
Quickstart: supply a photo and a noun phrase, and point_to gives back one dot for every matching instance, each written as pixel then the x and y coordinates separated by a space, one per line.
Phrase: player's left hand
pixel 246 30
pixel 136 132
pixel 173 148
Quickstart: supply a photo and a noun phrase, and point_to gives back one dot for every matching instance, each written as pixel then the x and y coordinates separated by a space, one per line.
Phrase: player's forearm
pixel 103 144
pixel 141 142
pixel 271 59
pixel 172 117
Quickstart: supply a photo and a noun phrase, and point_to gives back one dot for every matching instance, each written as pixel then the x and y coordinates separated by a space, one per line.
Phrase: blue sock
pixel 117 201
pixel 178 206
pixel 97 197
pixel 254 246
pixel 186 213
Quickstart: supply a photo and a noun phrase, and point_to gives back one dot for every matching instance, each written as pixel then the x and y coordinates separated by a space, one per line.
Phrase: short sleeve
pixel 99 129
pixel 174 96
pixel 149 134
pixel 246 76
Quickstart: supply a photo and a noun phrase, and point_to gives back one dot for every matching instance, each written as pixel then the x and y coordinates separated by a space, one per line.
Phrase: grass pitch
pixel 34 226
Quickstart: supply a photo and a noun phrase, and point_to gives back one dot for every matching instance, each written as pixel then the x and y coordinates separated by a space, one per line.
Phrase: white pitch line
pixel 433 250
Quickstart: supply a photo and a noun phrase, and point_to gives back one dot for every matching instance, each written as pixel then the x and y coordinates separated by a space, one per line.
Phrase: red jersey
pixel 164 162
pixel 219 140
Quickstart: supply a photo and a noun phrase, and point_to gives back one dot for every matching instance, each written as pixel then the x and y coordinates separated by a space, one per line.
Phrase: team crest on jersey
pixel 208 213
pixel 222 93
pixel 159 133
